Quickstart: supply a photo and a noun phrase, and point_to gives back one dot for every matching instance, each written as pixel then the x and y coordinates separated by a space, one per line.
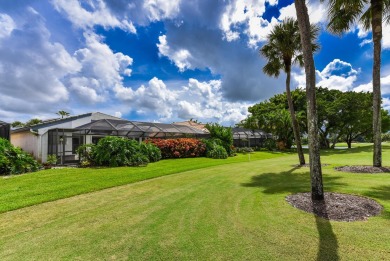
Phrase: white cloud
pixel 200 100
pixel 317 12
pixel 338 75
pixel 7 25
pixel 155 97
pixel 91 13
pixel 179 57
pixel 367 87
pixel 386 103
pixel 118 114
pixel 31 67
pixel 365 41
pixel 161 9
pixel 101 70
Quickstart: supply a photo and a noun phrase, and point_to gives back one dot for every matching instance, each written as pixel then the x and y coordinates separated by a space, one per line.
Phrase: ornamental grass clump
pixel 13 160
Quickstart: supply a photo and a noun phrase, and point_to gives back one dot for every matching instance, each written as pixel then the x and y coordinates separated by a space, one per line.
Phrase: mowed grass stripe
pixel 48 185
pixel 228 212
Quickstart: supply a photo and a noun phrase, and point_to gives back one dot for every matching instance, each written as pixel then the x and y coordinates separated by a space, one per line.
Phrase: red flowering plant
pixel 179 148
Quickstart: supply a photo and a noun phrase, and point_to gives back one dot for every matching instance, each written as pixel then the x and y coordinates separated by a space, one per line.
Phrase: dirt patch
pixel 363 169
pixel 336 206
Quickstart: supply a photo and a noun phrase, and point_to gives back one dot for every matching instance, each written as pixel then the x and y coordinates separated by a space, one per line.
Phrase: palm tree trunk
pixel 317 190
pixel 295 125
pixel 376 23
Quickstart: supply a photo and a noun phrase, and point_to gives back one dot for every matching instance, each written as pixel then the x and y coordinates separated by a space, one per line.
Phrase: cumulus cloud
pixel 194 99
pixel 367 87
pixel 101 70
pixel 338 75
pixel 239 67
pixel 87 14
pixel 155 97
pixel 179 57
pixel 31 67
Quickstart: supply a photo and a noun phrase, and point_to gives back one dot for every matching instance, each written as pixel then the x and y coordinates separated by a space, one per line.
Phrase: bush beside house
pixel 13 160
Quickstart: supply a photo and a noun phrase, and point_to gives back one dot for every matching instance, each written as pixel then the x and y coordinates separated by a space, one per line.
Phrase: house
pixel 38 139
pixel 62 137
pixel 5 130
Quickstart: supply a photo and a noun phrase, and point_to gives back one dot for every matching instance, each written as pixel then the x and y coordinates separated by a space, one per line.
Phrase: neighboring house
pixel 38 139
pixel 62 137
pixel 5 130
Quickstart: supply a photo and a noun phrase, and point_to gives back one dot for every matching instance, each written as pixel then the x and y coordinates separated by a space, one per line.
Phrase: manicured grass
pixel 227 212
pixel 48 185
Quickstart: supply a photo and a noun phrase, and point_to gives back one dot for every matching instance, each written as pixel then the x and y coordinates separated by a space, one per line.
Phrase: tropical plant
pixel 217 152
pixel 13 160
pixel 63 114
pixel 17 124
pixel 224 134
pixel 151 151
pixel 342 16
pixel 317 190
pixel 32 122
pixel 282 50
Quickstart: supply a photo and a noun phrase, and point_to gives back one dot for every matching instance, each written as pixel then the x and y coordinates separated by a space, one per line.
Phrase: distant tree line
pixel 342 116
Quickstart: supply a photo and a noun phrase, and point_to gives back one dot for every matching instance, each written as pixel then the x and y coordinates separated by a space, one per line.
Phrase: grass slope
pixel 48 185
pixel 226 212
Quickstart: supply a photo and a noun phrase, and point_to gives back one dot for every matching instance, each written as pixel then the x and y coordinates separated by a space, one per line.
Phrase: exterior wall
pixel 27 141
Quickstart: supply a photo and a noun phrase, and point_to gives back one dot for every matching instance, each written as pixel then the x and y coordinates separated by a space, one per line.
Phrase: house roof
pixel 192 124
pixel 137 129
pixel 56 121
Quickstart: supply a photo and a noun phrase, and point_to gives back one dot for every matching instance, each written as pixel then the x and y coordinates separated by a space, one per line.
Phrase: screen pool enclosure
pixel 5 130
pixel 249 138
pixel 64 142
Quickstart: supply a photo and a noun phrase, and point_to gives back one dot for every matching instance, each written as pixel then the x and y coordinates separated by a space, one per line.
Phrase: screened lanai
pixel 64 142
pixel 249 138
pixel 5 130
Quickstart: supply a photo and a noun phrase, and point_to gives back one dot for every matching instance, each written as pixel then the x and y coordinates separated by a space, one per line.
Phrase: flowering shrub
pixel 179 148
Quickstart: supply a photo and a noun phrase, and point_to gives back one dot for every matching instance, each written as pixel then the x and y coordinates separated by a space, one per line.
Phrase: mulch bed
pixel 336 206
pixel 363 169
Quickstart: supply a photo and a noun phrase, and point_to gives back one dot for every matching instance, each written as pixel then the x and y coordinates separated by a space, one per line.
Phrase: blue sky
pixel 157 60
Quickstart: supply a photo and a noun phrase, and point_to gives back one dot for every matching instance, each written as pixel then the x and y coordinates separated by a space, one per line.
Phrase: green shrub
pixel 151 151
pixel 224 134
pixel 217 152
pixel 51 159
pixel 14 160
pixel 244 150
pixel 269 144
pixel 386 136
pixel 114 151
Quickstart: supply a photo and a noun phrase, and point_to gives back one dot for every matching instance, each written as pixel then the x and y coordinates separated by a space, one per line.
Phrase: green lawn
pixel 48 185
pixel 226 212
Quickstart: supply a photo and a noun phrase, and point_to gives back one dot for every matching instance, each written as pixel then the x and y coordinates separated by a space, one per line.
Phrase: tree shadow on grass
pixel 328 245
pixel 288 182
pixel 380 192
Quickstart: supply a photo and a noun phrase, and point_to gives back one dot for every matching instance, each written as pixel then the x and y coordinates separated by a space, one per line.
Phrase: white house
pixel 62 137
pixel 35 139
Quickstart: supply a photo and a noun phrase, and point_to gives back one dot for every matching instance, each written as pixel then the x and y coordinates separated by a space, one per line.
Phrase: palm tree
pixel 282 50
pixel 342 15
pixel 317 190
pixel 63 114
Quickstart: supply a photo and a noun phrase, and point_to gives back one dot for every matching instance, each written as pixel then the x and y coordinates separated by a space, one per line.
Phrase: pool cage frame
pixel 64 142
pixel 249 138
pixel 5 130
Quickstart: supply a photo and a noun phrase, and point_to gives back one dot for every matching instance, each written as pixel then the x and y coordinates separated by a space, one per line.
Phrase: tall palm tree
pixel 317 190
pixel 63 114
pixel 342 15
pixel 282 50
